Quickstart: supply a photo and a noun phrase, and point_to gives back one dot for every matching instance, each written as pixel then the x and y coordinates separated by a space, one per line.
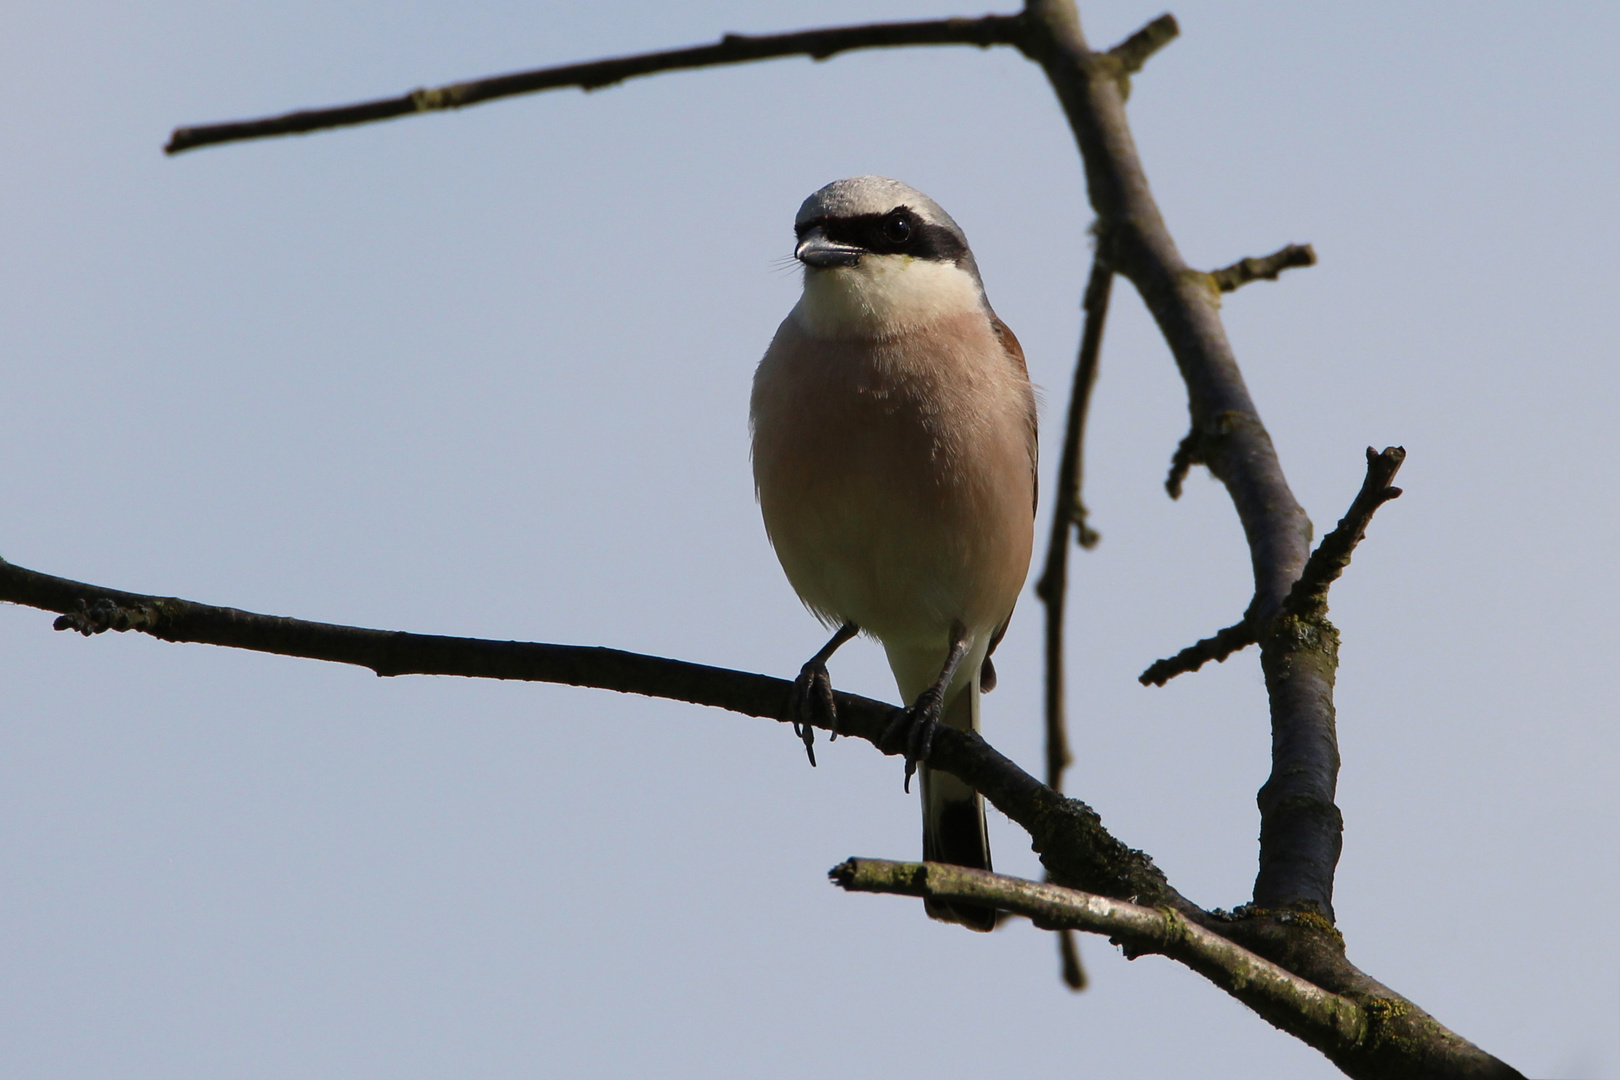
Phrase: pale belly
pixel 896 485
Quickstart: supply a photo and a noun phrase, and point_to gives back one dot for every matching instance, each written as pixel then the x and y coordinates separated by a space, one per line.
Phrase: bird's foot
pixel 916 726
pixel 812 700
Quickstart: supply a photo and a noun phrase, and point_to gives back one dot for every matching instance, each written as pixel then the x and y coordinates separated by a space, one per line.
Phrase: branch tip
pixel 1265 268
pixel 1074 973
pixel 1137 49
pixel 1223 644
pixel 1181 462
pixel 1332 555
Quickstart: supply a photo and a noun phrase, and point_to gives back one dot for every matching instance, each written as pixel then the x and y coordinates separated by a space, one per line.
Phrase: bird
pixel 893 433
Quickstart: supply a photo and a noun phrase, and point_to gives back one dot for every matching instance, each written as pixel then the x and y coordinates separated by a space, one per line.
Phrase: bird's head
pixel 879 257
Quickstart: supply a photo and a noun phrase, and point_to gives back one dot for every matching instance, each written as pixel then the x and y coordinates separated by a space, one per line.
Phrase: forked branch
pixel 1309 593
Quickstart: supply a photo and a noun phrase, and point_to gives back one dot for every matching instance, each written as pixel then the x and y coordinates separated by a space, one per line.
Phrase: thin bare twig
pixel 1332 555
pixel 1129 55
pixel 1181 463
pixel 1135 50
pixel 1225 642
pixel 1326 1020
pixel 819 44
pixel 1069 517
pixel 1072 971
pixel 1265 268
pixel 1229 279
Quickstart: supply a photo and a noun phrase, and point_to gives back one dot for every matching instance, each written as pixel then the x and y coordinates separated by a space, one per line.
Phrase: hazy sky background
pixel 487 373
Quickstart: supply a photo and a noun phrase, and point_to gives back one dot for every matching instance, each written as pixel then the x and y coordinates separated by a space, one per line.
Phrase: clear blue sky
pixel 487 373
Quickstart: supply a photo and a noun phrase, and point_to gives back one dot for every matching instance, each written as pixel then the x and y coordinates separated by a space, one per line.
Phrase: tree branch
pixel 1129 55
pixel 1067 832
pixel 1072 971
pixel 1363 1028
pixel 1135 50
pixel 1229 279
pixel 1266 268
pixel 1069 836
pixel 1328 1021
pixel 1181 463
pixel 1309 594
pixel 1300 826
pixel 1134 239
pixel 1225 642
pixel 819 44
pixel 1227 433
pixel 1069 515
pixel 1332 555
pixel 92 609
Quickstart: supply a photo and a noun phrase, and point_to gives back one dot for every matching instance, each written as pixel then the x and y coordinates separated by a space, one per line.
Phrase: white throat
pixel 885 295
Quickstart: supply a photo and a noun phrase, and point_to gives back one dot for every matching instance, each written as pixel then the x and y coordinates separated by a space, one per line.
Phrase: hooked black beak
pixel 816 250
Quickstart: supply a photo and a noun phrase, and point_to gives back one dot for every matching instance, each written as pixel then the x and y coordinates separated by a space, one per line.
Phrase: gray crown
pixel 860 195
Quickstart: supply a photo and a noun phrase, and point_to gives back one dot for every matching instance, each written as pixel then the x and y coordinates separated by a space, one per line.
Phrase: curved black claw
pixel 812 700
pixel 918 725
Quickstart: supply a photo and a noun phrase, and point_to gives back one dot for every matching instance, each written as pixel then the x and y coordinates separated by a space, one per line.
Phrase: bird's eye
pixel 896 229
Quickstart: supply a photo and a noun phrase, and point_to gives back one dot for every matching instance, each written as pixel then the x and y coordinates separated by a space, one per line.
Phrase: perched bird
pixel 894 459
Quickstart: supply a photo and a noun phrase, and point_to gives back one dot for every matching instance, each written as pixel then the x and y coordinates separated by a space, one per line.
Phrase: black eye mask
pixel 899 232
